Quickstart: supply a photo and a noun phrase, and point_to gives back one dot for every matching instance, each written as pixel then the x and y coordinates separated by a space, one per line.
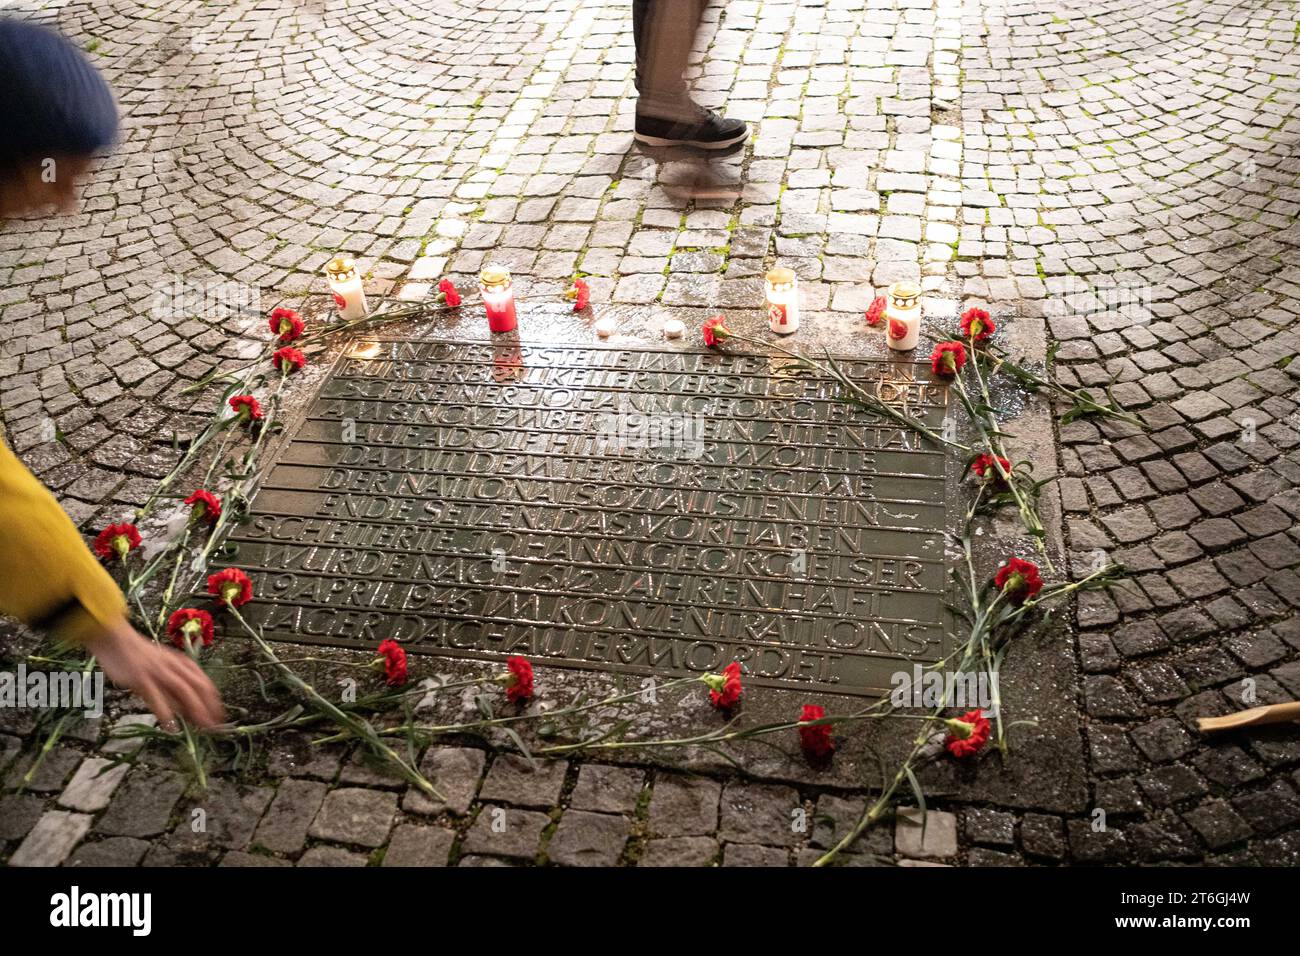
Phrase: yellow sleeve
pixel 48 577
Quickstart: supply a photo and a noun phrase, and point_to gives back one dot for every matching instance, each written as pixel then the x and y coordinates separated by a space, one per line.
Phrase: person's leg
pixel 640 17
pixel 664 32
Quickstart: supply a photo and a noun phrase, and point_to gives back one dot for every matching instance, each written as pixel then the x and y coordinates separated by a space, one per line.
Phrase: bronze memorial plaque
pixel 646 511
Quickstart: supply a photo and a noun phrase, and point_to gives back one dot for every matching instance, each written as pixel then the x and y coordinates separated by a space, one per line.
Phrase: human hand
pixel 168 681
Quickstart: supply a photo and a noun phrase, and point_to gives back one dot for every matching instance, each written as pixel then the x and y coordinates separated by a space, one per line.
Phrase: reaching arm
pixel 50 580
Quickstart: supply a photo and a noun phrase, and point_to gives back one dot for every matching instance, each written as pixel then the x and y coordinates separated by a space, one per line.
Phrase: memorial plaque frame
pixel 341 553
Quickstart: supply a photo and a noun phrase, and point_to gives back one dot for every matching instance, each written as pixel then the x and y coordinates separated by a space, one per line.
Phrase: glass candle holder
pixel 782 289
pixel 345 282
pixel 903 316
pixel 498 298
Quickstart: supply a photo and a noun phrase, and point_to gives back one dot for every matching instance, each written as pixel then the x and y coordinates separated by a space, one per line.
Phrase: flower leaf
pixel 523 747
pixel 919 794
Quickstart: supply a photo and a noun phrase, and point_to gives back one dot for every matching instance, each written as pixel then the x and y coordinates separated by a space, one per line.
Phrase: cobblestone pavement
pixel 1122 175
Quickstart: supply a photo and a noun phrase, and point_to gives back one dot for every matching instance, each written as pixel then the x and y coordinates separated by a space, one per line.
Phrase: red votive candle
pixel 498 298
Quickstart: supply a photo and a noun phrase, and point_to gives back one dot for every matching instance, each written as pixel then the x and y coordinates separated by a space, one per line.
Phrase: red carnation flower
pixel 815 741
pixel 117 541
pixel 984 467
pixel 580 293
pixel 519 682
pixel 190 626
pixel 392 657
pixel 725 688
pixel 1018 580
pixel 967 734
pixel 897 329
pixel 246 407
pixel 231 587
pixel 876 311
pixel 288 360
pixel 205 506
pixel 287 324
pixel 976 324
pixel 450 295
pixel 715 331
pixel 947 359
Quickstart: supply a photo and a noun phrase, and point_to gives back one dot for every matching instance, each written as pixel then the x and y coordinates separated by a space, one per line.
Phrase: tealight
pixel 674 329
pixel 605 327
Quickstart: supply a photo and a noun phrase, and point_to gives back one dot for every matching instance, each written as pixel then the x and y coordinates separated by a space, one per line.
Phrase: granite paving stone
pixel 283 828
pixel 52 838
pixel 456 772
pixel 513 779
pixel 680 851
pixel 684 806
pixel 588 839
pixel 417 845
pixel 355 815
pixel 92 786
pixel 932 835
pixel 142 806
pixel 507 832
pixel 607 789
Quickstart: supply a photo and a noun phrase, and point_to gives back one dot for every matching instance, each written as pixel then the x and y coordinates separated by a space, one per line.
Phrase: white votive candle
pixel 605 327
pixel 345 282
pixel 903 315
pixel 782 300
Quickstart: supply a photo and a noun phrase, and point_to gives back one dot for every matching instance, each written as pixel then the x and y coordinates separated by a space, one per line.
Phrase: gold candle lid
pixel 341 267
pixel 494 277
pixel 903 295
pixel 780 277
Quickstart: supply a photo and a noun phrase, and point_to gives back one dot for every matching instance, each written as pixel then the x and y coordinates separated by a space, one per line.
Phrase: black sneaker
pixel 704 130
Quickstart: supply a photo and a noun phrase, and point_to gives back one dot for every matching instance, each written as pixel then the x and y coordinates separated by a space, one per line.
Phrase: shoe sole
pixel 698 144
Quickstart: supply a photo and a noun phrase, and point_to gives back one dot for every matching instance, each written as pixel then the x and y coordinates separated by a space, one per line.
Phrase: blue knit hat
pixel 54 102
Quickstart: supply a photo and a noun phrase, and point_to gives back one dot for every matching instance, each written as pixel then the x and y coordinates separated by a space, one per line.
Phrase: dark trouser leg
pixel 664 32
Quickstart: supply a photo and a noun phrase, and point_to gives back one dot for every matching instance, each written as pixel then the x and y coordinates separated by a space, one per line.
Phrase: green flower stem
pixel 231 495
pixel 990 435
pixel 164 605
pixel 874 812
pixel 187 459
pixel 137 582
pixel 358 726
pixel 56 733
pixel 885 800
pixel 192 751
pixel 235 492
